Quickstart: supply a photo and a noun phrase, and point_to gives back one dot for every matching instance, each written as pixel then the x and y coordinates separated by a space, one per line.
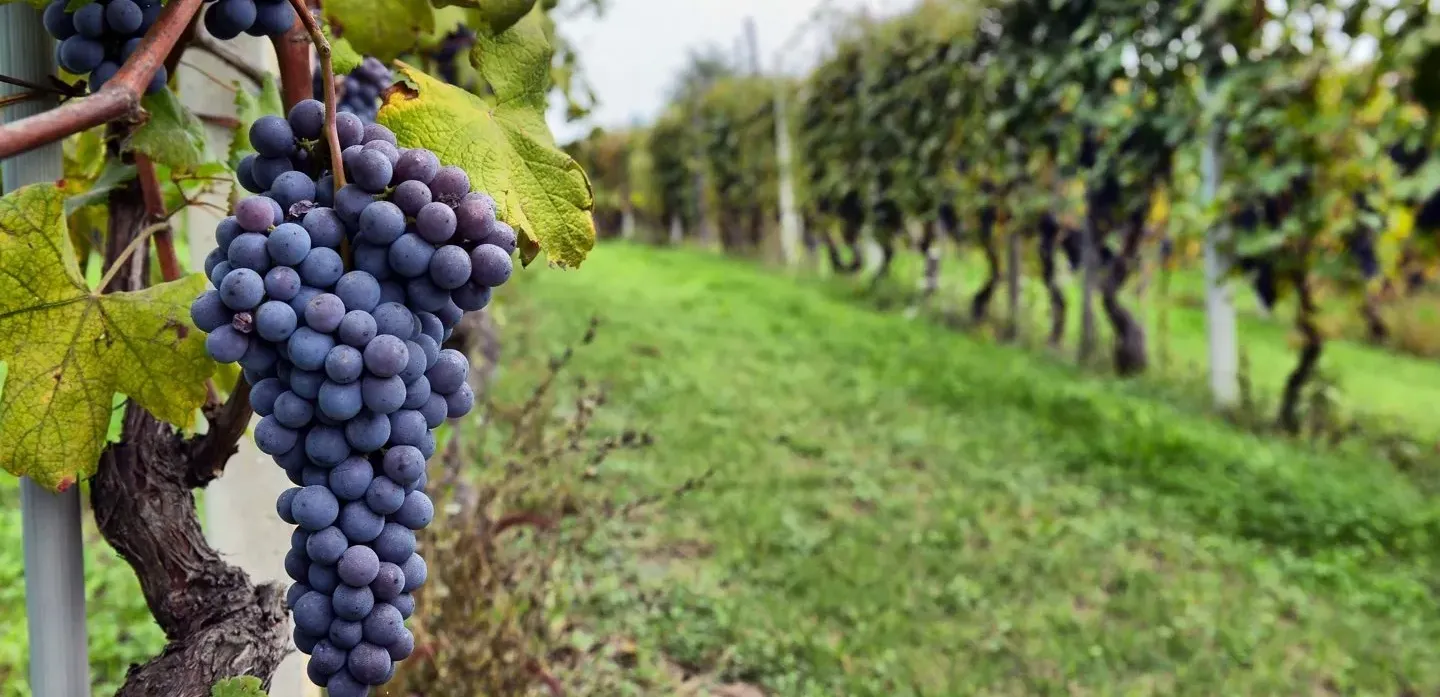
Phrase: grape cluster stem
pixel 118 99
pixel 327 74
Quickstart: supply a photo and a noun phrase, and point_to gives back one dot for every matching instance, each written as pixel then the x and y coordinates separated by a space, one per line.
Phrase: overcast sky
pixel 632 53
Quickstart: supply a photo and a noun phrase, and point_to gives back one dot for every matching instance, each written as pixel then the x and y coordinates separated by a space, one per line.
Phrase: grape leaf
pixel 69 349
pixel 343 57
pixel 244 686
pixel 172 136
pixel 381 28
pixel 503 142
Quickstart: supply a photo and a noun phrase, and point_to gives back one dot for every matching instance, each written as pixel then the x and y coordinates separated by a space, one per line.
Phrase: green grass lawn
pixel 900 509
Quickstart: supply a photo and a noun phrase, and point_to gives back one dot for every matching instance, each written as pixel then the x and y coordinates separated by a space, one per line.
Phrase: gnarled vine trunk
pixel 1311 346
pixel 1049 240
pixel 217 623
pixel 1090 264
pixel 1013 243
pixel 1130 355
pixel 980 303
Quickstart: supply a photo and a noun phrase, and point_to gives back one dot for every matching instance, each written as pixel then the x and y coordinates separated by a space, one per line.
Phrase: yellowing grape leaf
pixel 69 350
pixel 505 146
pixel 381 28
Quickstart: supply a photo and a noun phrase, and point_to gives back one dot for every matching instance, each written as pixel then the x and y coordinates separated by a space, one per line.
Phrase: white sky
pixel 631 55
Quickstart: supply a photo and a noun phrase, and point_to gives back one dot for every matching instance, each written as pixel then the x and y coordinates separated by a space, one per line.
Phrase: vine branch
pixel 327 75
pixel 155 212
pixel 118 99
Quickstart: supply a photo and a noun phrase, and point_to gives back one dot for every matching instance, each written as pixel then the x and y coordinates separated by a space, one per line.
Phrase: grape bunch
pixel 346 365
pixel 449 49
pixel 227 19
pixel 359 93
pixel 96 39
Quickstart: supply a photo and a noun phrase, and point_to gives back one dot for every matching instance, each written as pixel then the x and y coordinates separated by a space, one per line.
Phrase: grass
pixel 898 509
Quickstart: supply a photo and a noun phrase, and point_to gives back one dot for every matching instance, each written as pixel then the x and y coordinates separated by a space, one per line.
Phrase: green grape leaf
pixel 497 15
pixel 506 148
pixel 172 136
pixel 115 175
pixel 248 108
pixel 516 63
pixel 244 686
pixel 69 350
pixel 343 57
pixel 381 28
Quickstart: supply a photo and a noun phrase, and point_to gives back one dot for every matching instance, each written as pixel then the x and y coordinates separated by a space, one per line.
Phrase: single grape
pixel 308 348
pixel 391 153
pixel 358 290
pixel 228 19
pixel 370 169
pixel 357 329
pixel 430 347
pixel 124 16
pixel 375 131
pixel 373 260
pixel 293 411
pixel 315 508
pixel 341 401
pixel 450 267
pixel 263 395
pixel 491 265
pixel 255 213
pixel 459 402
pixel 272 18
pixel 417 394
pixel 382 395
pixel 326 446
pixel 435 409
pixel 384 625
pixel 102 74
pixel 325 227
pixel 425 295
pixel 415 570
pixel 288 244
pixel 326 546
pixel 344 633
pixel 209 312
pixel 474 216
pixel 403 646
pixel 381 223
pixel 412 197
pixel 350 203
pixel 325 191
pixel 322 268
pixel 344 364
pixel 290 188
pixel 275 321
pixel 249 251
pixel 450 185
pixel 90 21
pixel 415 365
pixel 306 383
pixel 471 297
pixel 313 613
pixel 322 578
pixel 503 236
pixel 394 319
pixel 405 603
pixel 352 603
pixel 80 55
pixel 296 590
pixel 360 523
pixel 342 684
pixel 449 372
pixel 417 164
pixel 368 663
pixel 395 544
pixel 245 174
pixel 226 345
pixel 271 136
pixel 410 255
pixel 297 566
pixel 282 283
pixel 386 355
pixel 368 431
pixel 259 359
pixel 324 312
pixel 307 119
pixel 389 582
pixel 407 428
pixel 404 464
pixel 59 23
pixel 352 478
pixel 350 129
pixel 327 659
pixel 266 170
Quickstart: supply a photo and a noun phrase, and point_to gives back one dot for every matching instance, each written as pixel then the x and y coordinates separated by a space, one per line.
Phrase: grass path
pixel 903 510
